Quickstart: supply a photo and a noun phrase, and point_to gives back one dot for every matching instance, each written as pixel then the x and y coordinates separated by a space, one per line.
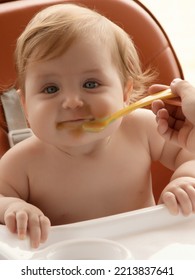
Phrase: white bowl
pixel 87 249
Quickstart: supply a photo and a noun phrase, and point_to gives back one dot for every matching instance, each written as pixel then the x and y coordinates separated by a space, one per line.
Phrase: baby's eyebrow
pixel 93 70
pixel 50 75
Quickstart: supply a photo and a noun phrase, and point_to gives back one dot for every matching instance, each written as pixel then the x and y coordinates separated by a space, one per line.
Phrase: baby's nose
pixel 72 103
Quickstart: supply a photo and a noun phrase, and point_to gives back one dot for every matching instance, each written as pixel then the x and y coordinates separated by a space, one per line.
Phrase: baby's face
pixel 81 85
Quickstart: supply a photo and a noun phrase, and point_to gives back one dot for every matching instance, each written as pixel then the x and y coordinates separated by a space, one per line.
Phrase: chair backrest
pixel 151 41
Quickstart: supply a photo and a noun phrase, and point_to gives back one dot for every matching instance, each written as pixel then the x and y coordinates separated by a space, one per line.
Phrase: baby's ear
pixel 22 100
pixel 127 90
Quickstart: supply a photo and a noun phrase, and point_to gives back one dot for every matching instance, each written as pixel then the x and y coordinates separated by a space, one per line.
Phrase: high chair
pixel 151 41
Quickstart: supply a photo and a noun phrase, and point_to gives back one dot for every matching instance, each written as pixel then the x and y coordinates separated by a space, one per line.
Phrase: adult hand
pixel 176 118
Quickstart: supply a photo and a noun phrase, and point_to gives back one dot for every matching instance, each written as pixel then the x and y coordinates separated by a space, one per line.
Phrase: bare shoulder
pixel 141 119
pixel 141 124
pixel 23 151
pixel 14 168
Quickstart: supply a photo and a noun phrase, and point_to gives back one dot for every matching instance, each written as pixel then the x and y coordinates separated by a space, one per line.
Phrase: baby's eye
pixel 91 84
pixel 50 89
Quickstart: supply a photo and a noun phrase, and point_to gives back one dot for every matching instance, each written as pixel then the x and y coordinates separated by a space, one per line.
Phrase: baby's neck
pixel 88 150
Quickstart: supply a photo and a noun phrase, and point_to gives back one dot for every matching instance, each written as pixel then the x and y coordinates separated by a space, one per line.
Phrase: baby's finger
pixel 34 230
pixel 44 225
pixel 170 202
pixel 190 190
pixel 10 221
pixel 22 222
pixel 184 201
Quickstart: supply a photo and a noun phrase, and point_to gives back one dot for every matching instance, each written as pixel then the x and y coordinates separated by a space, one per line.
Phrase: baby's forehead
pixel 55 45
pixel 54 29
pixel 82 54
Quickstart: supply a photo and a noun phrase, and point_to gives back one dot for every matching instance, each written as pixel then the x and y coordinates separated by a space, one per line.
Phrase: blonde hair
pixel 51 32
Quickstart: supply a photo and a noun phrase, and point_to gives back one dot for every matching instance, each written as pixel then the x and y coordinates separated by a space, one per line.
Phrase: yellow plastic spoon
pixel 99 124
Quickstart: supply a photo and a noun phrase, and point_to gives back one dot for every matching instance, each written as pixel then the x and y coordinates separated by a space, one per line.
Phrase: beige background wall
pixel 178 19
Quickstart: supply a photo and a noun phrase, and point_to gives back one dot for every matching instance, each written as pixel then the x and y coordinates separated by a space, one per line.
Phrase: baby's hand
pixel 21 216
pixel 179 194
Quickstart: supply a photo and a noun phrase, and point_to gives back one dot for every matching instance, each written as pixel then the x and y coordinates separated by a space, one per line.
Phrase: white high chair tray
pixel 150 233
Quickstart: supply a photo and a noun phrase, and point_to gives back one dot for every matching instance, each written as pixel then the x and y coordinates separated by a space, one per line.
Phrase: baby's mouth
pixel 73 123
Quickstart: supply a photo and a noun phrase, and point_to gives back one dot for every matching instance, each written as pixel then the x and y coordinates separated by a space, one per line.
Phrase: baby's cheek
pixel 103 110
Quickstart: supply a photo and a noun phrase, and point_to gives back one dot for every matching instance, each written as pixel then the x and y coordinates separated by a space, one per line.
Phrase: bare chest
pixel 71 191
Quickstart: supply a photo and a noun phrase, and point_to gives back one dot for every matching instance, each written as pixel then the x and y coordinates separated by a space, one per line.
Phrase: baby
pixel 74 66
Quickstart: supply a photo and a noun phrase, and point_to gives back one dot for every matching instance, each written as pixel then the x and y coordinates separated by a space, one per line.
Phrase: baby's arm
pixel 19 216
pixel 179 194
